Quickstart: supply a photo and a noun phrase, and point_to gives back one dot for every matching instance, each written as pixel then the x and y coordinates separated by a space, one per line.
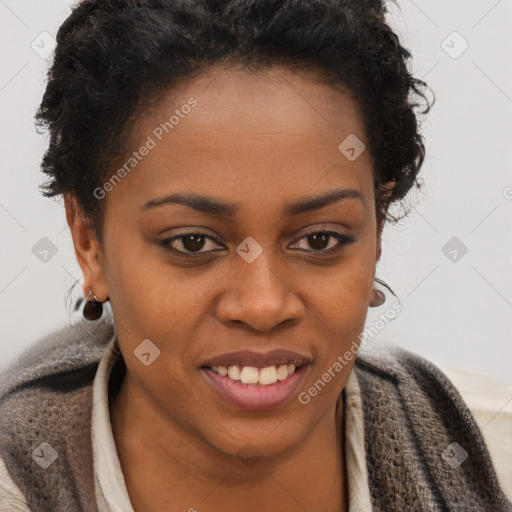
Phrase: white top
pixel 490 402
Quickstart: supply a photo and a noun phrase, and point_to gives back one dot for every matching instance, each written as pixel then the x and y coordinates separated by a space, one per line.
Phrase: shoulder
pixel 11 498
pixel 488 400
pixel 64 361
pixel 490 403
pixel 58 356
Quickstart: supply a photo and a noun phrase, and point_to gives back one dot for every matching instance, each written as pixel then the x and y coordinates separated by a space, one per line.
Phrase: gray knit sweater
pixel 413 416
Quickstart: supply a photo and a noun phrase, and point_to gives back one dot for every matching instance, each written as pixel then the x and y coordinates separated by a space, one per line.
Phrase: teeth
pixel 249 375
pixel 282 372
pixel 252 375
pixel 234 372
pixel 268 375
pixel 221 370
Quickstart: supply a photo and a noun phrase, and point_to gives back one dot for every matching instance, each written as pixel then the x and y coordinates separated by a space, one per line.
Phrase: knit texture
pixel 46 397
pixel 412 414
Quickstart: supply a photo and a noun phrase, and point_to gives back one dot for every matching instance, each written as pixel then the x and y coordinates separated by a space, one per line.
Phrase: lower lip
pixel 252 397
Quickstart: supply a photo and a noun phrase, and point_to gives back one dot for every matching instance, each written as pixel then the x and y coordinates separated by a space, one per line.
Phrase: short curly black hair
pixel 114 56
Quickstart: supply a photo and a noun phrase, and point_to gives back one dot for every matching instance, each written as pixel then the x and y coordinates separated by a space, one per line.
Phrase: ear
pixel 87 250
pixel 387 188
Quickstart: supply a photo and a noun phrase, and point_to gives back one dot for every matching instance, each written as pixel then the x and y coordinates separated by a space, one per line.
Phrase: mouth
pixel 253 375
pixel 253 388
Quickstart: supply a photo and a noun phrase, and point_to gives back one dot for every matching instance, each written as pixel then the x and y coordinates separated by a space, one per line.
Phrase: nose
pixel 259 295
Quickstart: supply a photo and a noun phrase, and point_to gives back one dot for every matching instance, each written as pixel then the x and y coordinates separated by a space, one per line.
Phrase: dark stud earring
pixel 378 296
pixel 93 309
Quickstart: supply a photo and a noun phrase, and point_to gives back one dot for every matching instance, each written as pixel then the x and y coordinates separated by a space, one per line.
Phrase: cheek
pixel 148 295
pixel 341 301
pixel 349 283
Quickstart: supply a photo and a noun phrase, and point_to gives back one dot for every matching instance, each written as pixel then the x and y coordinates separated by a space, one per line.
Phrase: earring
pixel 93 308
pixel 378 296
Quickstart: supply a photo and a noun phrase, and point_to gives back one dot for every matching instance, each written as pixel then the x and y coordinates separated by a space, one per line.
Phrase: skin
pixel 262 141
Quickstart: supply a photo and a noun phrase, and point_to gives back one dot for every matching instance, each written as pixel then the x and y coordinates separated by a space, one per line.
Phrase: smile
pixel 252 375
pixel 252 388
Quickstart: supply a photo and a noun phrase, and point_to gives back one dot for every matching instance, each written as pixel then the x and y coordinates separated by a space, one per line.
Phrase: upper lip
pixel 258 360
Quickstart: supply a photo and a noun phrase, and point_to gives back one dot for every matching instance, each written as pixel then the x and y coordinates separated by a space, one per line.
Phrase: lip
pixel 258 360
pixel 252 397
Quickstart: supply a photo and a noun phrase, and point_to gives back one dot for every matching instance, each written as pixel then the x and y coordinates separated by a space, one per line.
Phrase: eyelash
pixel 343 241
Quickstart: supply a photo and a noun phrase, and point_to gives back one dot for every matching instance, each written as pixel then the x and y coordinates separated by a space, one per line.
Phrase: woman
pixel 227 169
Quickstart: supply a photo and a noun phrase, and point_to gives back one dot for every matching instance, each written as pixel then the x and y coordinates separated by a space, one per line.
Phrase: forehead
pixel 228 131
pixel 272 102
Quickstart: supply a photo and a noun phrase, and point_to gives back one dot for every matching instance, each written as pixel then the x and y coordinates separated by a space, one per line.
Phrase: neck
pixel 164 464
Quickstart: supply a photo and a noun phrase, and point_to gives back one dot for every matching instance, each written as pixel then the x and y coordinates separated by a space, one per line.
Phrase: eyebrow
pixel 214 206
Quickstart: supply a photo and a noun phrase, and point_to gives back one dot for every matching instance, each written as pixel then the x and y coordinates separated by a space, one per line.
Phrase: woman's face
pixel 258 153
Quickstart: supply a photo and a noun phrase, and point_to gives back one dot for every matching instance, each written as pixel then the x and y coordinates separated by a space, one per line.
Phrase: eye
pixel 319 241
pixel 191 242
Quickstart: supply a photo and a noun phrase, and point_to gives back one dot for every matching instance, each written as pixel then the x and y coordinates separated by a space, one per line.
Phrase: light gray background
pixel 458 312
